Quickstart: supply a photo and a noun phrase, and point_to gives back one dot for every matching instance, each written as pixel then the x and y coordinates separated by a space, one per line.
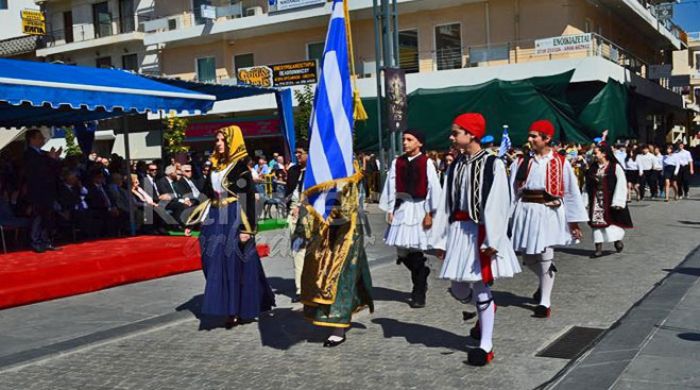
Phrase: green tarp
pixel 515 103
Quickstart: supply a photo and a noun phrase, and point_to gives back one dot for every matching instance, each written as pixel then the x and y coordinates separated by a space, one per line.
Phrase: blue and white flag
pixel 331 124
pixel 505 142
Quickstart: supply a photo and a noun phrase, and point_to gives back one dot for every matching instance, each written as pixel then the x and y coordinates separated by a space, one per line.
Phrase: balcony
pixel 513 52
pixel 87 36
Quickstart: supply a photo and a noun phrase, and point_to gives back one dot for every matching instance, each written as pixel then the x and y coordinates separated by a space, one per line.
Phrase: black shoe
pixel 542 312
pixel 53 248
pixel 479 357
pixel 39 250
pixel 231 322
pixel 296 299
pixel 331 343
pixel 619 246
pixel 596 255
pixel 537 296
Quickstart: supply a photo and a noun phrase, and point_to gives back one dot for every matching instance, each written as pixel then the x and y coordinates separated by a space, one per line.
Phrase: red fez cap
pixel 473 123
pixel 543 126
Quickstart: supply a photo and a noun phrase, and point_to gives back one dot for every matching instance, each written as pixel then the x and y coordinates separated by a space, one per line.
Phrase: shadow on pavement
pixel 689 336
pixel 421 334
pixel 690 222
pixel 684 270
pixel 282 286
pixel 194 305
pixel 505 299
pixel 387 294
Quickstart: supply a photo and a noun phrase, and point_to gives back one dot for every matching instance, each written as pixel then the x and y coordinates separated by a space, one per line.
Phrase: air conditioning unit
pixel 253 11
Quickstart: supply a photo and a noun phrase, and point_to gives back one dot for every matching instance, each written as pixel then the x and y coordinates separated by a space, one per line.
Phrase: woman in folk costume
pixel 477 248
pixel 410 199
pixel 236 287
pixel 607 200
pixel 547 209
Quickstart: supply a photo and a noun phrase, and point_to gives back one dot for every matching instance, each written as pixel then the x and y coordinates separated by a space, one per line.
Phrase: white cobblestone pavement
pixel 91 341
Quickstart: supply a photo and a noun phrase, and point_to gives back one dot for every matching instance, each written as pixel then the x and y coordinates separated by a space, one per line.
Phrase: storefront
pixel 263 135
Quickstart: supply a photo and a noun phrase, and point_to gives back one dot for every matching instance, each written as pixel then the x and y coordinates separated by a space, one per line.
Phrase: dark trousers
pixel 683 180
pixel 649 177
pixel 42 227
pixel 661 180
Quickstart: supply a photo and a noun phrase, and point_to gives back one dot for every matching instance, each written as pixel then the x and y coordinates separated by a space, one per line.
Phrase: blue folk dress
pixel 235 280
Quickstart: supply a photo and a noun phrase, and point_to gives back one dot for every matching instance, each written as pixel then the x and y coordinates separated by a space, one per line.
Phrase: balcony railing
pixel 507 53
pixel 225 11
pixel 82 33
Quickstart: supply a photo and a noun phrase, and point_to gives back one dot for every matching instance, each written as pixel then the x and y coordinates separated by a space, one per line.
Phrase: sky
pixel 687 15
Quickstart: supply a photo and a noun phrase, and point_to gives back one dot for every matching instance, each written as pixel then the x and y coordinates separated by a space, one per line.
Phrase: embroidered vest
pixel 554 181
pixel 412 178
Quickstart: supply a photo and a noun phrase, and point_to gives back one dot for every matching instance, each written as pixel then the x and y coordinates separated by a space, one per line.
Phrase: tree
pixel 72 149
pixel 305 98
pixel 174 135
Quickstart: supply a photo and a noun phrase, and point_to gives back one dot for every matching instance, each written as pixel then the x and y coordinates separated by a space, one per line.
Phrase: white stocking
pixel 546 282
pixel 487 314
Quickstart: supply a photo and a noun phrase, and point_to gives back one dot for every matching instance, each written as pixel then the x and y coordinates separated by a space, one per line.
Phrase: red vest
pixel 412 176
pixel 554 182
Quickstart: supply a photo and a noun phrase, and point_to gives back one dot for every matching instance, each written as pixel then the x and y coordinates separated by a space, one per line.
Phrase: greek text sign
pixel 564 43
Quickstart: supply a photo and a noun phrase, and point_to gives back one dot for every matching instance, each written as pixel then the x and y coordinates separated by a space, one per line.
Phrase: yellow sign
pixel 33 22
pixel 260 76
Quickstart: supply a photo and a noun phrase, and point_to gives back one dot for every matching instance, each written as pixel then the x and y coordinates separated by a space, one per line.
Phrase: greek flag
pixel 505 142
pixel 330 147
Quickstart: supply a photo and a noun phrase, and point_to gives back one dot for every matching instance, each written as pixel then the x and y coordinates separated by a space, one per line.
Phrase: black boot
pixel 421 283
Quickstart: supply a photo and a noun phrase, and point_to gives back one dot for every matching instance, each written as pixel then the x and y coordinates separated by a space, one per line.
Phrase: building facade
pixel 442 43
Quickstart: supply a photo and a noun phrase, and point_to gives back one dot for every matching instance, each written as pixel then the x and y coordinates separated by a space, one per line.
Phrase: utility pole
pixel 386 45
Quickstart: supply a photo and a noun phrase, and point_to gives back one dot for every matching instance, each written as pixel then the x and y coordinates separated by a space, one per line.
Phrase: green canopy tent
pixel 513 103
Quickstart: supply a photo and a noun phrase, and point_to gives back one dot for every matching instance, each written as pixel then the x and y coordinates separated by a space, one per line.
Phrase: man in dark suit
pixel 167 185
pixel 119 197
pixel 103 213
pixel 73 210
pixel 189 186
pixel 42 171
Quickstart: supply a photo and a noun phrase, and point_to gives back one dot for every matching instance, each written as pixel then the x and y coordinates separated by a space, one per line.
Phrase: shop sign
pixel 252 128
pixel 285 5
pixel 259 76
pixel 33 22
pixel 566 43
pixel 295 73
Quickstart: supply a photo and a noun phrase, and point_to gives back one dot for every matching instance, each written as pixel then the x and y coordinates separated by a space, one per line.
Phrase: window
pixel 101 20
pixel 206 69
pixel 697 61
pixel 130 62
pixel 588 26
pixel 314 51
pixel 126 16
pixel 197 10
pixel 242 61
pixel 3 4
pixel 408 50
pixel 104 62
pixel 448 46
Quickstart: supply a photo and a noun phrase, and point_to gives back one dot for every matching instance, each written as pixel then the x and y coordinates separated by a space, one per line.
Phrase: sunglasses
pixel 532 135
pixel 152 169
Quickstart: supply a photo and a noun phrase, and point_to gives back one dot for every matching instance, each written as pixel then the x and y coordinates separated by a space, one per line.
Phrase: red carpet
pixel 27 277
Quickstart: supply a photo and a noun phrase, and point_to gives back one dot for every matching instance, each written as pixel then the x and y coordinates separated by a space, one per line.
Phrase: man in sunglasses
pixel 477 248
pixel 410 198
pixel 293 195
pixel 548 209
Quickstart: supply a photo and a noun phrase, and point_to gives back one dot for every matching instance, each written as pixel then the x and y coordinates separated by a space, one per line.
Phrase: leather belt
pixel 536 196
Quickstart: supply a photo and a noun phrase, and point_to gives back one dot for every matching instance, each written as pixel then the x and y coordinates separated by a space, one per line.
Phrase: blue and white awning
pixel 37 93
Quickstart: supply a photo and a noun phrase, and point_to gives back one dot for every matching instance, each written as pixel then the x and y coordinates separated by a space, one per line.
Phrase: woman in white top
pixel 632 174
pixel 671 168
